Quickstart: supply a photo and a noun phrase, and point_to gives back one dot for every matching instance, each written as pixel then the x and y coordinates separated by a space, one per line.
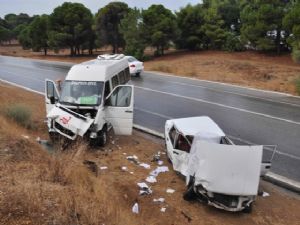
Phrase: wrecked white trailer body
pixel 226 176
pixel 217 171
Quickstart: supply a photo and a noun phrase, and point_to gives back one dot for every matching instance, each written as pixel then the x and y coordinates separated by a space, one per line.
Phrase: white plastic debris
pixel 160 200
pixel 160 162
pixel 158 170
pixel 145 165
pixel 265 194
pixel 124 153
pixel 132 157
pixel 142 185
pixel 25 136
pixel 144 189
pixel 124 168
pixel 170 190
pixel 131 172
pixel 103 168
pixel 151 179
pixel 135 208
pixel 163 209
pixel 113 142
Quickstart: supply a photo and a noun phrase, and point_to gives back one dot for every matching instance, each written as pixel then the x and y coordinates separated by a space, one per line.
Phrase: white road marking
pixel 153 113
pixel 234 93
pixel 157 73
pixel 20 86
pixel 219 104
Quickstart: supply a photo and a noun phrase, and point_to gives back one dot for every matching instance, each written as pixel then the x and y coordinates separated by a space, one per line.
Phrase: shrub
pixel 296 55
pixel 297 83
pixel 20 114
pixel 233 43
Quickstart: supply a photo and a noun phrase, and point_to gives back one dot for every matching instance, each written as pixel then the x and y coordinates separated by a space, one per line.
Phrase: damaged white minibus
pixel 93 98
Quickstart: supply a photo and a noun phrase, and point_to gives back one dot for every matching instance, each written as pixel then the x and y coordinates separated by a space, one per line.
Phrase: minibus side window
pixel 115 81
pixel 122 77
pixel 127 74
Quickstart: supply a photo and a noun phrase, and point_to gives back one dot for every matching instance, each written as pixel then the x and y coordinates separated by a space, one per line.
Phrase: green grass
pixel 21 114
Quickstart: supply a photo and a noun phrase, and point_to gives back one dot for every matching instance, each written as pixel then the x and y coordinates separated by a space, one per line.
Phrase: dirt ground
pixel 37 187
pixel 268 72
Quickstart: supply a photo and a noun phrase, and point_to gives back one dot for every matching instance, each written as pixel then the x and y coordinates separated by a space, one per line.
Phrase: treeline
pixel 231 25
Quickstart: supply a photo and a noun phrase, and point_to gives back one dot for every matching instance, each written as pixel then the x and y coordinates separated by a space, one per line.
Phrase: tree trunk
pixel 72 51
pixel 45 51
pixel 278 38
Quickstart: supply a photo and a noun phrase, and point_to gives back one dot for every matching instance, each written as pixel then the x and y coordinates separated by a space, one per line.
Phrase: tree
pixel 24 38
pixel 159 27
pixel 108 19
pixel 190 20
pixel 70 25
pixel 4 34
pixel 215 34
pixel 229 11
pixel 262 24
pixel 38 33
pixel 131 29
pixel 292 23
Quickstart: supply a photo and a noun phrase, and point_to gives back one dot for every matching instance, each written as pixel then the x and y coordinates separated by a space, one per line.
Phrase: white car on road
pixel 217 171
pixel 136 67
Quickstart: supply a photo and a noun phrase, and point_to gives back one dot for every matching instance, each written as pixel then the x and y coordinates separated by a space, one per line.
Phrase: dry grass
pixel 276 73
pixel 41 188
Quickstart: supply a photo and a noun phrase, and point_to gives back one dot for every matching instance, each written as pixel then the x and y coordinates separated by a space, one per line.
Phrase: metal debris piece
pixel 151 179
pixel 170 190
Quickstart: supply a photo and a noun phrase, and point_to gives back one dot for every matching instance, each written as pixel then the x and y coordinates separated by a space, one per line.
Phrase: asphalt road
pixel 248 116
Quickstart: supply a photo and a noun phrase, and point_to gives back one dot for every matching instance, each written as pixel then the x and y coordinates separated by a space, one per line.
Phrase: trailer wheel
pixel 248 209
pixel 190 194
pixel 138 74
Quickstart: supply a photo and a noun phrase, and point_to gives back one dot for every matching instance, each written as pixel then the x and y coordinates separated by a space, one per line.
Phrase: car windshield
pixel 81 93
pixel 132 59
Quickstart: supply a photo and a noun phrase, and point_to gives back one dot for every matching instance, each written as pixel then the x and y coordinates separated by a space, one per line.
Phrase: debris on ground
pixel 170 190
pixel 158 170
pixel 156 157
pixel 103 167
pixel 133 158
pixel 159 200
pixel 265 194
pixel 144 189
pixel 124 168
pixel 151 179
pixel 163 209
pixel 186 216
pixel 160 162
pixel 145 165
pixel 135 208
pixel 25 136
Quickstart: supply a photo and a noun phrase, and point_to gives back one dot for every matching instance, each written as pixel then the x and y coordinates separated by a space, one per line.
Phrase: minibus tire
pixel 102 138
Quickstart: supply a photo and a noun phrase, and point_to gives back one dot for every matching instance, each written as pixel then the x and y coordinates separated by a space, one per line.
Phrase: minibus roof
pixel 100 69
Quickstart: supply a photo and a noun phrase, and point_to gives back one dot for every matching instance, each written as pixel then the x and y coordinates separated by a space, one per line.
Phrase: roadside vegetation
pixel 20 113
pixel 230 25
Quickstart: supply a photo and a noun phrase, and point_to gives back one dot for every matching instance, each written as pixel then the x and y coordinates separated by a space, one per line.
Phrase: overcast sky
pixel 37 7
